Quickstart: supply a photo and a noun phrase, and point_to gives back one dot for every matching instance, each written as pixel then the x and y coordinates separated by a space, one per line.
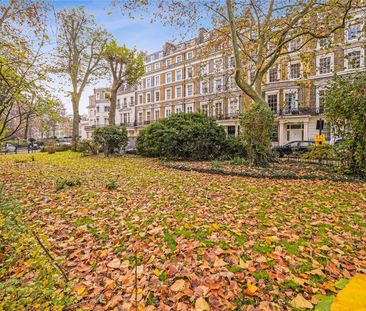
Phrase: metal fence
pixel 311 161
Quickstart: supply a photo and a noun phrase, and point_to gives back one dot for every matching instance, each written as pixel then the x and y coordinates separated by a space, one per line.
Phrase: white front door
pixel 295 132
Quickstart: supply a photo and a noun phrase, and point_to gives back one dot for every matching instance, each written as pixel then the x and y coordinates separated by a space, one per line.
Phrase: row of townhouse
pixel 181 78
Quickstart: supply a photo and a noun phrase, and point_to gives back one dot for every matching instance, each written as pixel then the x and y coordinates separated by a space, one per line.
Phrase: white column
pixel 280 135
pixel 306 130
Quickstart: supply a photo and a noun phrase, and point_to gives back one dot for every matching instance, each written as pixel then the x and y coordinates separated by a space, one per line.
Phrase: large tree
pixel 23 70
pixel 258 33
pixel 345 110
pixel 80 49
pixel 126 67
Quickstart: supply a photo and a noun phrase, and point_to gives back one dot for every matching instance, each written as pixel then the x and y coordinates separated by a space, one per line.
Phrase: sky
pixel 137 33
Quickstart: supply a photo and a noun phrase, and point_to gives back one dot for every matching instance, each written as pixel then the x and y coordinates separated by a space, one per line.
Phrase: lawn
pixel 128 229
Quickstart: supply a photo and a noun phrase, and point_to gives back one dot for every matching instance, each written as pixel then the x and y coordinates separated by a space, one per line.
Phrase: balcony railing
pixel 127 124
pixel 226 116
pixel 300 111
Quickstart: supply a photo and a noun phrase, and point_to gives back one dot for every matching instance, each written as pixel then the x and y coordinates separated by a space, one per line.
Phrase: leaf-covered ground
pixel 283 169
pixel 127 229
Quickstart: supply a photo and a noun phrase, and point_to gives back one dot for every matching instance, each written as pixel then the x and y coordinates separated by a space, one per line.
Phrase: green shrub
pixel 238 161
pixel 235 147
pixel 66 183
pixel 88 147
pixel 112 138
pixel 63 148
pixel 190 136
pixel 112 185
pixel 345 110
pixel 322 152
pixel 256 126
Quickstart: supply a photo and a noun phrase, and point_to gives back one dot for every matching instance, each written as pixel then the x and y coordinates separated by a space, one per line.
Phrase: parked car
pixel 294 147
pixel 10 148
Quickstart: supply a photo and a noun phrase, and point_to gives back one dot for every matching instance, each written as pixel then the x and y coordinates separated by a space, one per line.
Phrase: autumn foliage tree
pixel 23 69
pixel 125 67
pixel 345 110
pixel 258 33
pixel 80 49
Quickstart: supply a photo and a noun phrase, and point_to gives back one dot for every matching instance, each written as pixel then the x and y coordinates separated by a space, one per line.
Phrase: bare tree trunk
pixel 26 127
pixel 76 119
pixel 240 76
pixel 112 108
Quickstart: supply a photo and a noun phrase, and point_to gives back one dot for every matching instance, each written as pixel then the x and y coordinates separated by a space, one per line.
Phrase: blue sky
pixel 137 33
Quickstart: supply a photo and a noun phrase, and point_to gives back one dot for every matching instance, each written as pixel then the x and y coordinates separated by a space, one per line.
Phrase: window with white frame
pixel 157 96
pixel 294 71
pixel 168 111
pixel 294 44
pixel 291 101
pixel 204 87
pixel 148 82
pixel 324 64
pixel 189 89
pixel 190 55
pixel 272 101
pixel 140 99
pixel 218 84
pixel 273 74
pixel 354 32
pixel 218 64
pixel 148 68
pixel 178 59
pixel 148 97
pixel 178 109
pixel 118 103
pixel 178 75
pixel 168 77
pixel 157 114
pixel 324 43
pixel 218 108
pixel 233 106
pixel 178 92
pixel 126 118
pixel 204 108
pixel 125 102
pixel 354 58
pixel 140 118
pixel 168 62
pixel 189 108
pixel 148 115
pixel 157 65
pixel 232 83
pixel 319 102
pixel 204 69
pixel 157 80
pixel 189 73
pixel 168 94
pixel 98 96
pixel 139 85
